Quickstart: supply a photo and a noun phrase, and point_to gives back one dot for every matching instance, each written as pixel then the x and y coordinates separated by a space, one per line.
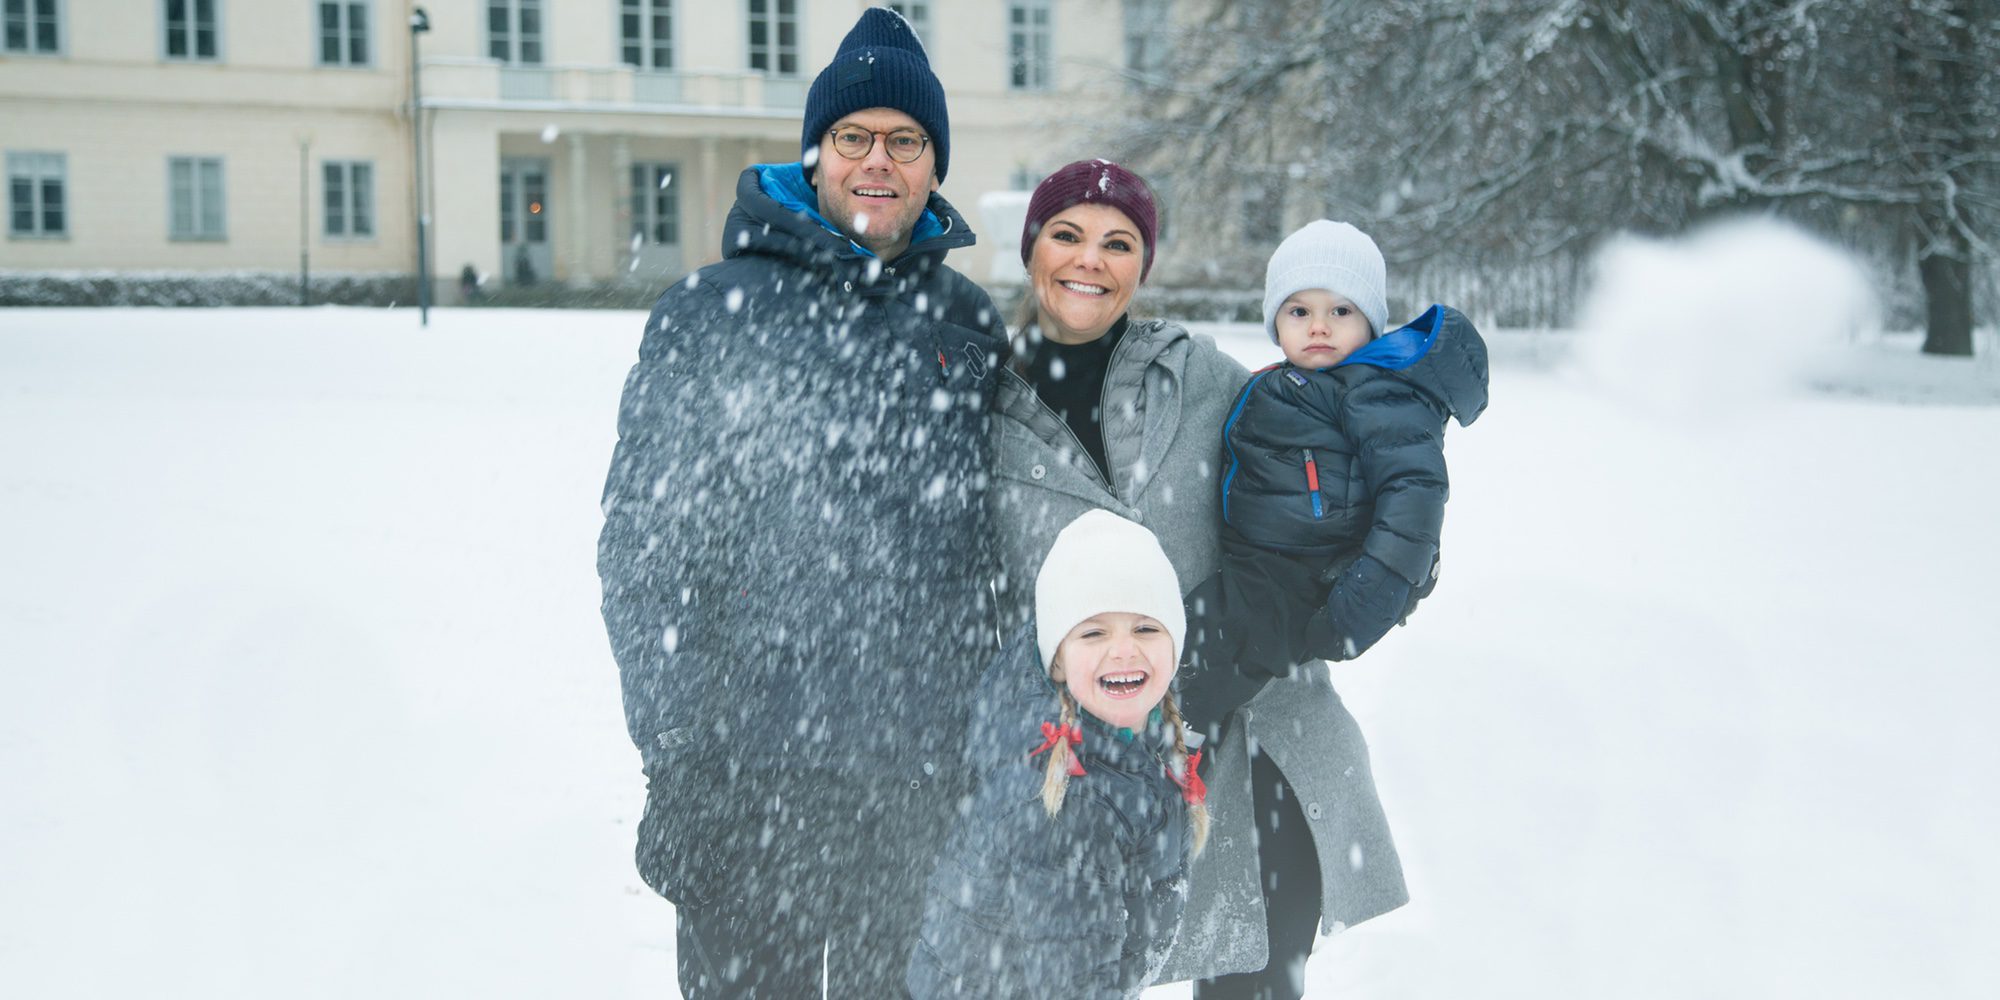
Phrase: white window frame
pixel 653 204
pixel 1030 45
pixel 27 15
pixel 345 33
pixel 517 37
pixel 1148 36
pixel 191 31
pixel 347 200
pixel 204 206
pixel 38 169
pixel 648 43
pixel 773 50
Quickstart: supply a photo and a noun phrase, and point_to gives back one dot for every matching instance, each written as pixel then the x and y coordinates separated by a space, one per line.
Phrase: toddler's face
pixel 1117 666
pixel 1318 329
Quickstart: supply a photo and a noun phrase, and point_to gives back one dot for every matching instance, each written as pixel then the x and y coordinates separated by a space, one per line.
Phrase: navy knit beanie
pixel 880 64
pixel 1100 182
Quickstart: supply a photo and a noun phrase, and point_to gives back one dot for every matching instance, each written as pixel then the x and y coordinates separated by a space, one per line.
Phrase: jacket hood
pixel 777 213
pixel 1442 353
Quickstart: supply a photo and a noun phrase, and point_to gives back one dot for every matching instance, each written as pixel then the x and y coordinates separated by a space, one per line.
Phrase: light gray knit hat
pixel 1102 562
pixel 1330 255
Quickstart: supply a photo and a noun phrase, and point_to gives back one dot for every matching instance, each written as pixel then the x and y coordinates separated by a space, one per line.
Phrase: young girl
pixel 1067 875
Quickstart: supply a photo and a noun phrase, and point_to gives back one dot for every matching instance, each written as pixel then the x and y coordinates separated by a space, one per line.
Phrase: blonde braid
pixel 1055 776
pixel 1197 811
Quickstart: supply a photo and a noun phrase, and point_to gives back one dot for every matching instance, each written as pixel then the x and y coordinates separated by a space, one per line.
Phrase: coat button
pixel 1038 471
pixel 847 285
pixel 914 783
pixel 1313 810
pixel 1246 716
pixel 930 768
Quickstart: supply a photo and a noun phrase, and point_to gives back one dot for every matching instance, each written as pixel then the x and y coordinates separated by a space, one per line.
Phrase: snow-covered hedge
pixel 185 288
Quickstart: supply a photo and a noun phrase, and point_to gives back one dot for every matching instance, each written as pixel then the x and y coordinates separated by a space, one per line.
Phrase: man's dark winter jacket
pixel 1335 480
pixel 1084 904
pixel 795 554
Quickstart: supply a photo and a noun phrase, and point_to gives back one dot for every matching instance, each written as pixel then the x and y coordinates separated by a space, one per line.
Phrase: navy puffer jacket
pixel 1339 462
pixel 1084 904
pixel 795 533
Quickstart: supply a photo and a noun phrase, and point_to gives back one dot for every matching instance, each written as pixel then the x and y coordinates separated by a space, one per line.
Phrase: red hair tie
pixel 1053 734
pixel 1193 788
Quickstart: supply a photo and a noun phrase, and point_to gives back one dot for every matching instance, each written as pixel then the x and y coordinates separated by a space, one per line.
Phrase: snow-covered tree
pixel 1492 132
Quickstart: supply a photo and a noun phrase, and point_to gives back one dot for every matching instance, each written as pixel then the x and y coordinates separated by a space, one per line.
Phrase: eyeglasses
pixel 903 145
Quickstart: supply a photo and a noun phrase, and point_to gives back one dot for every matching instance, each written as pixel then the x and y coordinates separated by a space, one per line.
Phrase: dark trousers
pixel 1290 875
pixel 826 890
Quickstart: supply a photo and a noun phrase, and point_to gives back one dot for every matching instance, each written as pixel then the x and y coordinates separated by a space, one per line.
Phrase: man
pixel 794 553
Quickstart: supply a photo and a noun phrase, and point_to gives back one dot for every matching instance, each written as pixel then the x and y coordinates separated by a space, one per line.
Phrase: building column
pixel 579 248
pixel 714 206
pixel 621 176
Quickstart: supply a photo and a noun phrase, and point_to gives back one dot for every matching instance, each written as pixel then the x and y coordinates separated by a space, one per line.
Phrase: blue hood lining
pixel 1402 347
pixel 786 184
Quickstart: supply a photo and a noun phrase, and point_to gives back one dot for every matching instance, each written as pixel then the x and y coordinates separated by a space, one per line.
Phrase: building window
pixel 343 33
pixel 194 198
pixel 514 31
pixel 918 13
pixel 35 202
pixel 1146 38
pixel 646 33
pixel 30 26
pixel 1028 45
pixel 350 198
pixel 774 36
pixel 191 28
pixel 656 203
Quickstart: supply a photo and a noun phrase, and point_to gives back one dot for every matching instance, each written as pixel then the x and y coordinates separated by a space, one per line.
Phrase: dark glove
pixel 1368 599
pixel 1419 592
pixel 1210 683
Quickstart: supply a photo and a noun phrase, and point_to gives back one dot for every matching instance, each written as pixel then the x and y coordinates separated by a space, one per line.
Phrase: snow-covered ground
pixel 303 692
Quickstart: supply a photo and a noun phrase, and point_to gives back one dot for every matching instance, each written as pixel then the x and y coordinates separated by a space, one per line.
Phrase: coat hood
pixel 1442 353
pixel 776 213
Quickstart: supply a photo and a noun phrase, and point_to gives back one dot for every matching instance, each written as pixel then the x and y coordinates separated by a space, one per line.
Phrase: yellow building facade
pixel 580 142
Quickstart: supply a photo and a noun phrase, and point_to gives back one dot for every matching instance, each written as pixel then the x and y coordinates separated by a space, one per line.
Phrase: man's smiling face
pixel 874 200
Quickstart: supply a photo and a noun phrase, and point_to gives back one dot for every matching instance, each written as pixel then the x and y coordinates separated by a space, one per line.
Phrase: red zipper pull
pixel 1312 483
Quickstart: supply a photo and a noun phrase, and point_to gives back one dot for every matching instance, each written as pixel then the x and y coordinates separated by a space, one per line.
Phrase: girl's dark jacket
pixel 1084 904
pixel 795 534
pixel 1336 463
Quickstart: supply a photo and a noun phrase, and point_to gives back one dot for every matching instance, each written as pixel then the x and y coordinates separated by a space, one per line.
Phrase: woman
pixel 1103 411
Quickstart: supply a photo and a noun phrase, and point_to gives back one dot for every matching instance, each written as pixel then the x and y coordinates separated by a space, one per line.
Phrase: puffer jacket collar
pixel 1141 411
pixel 775 216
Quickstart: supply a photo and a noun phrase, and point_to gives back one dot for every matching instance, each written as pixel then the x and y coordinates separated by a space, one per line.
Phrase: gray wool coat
pixel 1166 395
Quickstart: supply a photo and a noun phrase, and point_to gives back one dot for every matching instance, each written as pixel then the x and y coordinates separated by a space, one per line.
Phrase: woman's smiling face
pixel 1084 269
pixel 1117 666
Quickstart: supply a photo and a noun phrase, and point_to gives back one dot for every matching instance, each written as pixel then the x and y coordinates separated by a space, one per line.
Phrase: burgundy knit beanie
pixel 1099 182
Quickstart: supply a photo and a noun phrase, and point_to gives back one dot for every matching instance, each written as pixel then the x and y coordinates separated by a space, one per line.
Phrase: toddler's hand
pixel 1367 601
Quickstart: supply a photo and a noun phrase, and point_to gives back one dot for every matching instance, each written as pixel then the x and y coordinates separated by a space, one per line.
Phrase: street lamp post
pixel 420 22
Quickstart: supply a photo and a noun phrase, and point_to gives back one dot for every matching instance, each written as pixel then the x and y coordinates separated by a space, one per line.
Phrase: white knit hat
pixel 1102 562
pixel 1330 255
